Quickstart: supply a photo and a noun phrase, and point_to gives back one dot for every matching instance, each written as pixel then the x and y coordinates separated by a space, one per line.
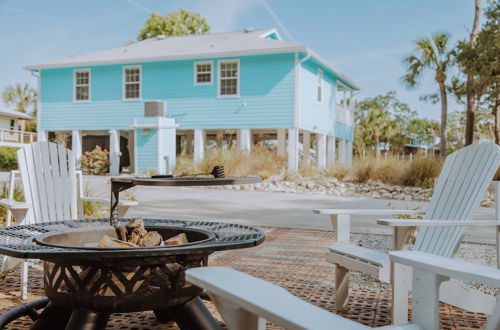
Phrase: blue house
pixel 209 89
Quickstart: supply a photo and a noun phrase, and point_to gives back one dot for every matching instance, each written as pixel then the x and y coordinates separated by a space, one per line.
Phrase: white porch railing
pixel 345 115
pixel 16 138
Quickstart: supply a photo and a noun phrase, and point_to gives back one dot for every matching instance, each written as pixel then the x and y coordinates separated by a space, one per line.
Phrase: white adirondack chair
pixel 246 302
pixel 53 191
pixel 463 181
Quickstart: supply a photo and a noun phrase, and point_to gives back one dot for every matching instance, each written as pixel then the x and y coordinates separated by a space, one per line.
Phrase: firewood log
pixel 177 240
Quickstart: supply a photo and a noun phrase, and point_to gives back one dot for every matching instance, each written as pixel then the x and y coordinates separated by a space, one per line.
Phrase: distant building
pixel 236 86
pixel 12 132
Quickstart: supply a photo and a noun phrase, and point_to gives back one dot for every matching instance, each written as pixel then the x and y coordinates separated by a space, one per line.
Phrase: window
pixel 82 85
pixel 203 73
pixel 229 81
pixel 319 96
pixel 12 124
pixel 132 83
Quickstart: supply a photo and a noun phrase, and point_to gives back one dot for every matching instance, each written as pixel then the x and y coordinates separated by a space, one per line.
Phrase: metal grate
pixel 17 241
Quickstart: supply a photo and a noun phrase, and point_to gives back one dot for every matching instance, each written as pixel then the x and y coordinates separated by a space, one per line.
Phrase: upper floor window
pixel 229 78
pixel 319 95
pixel 203 73
pixel 132 83
pixel 82 85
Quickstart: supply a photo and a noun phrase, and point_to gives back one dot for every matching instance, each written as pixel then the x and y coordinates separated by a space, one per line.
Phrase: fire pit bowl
pixel 88 238
pixel 123 284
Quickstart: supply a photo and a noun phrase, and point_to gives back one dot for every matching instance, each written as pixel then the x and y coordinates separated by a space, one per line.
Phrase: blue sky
pixel 366 39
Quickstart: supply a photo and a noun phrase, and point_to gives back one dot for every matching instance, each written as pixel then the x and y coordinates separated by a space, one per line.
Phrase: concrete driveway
pixel 266 208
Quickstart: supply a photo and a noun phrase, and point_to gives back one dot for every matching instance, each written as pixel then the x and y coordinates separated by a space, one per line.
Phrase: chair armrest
pixel 14 205
pixel 447 267
pixel 435 223
pixel 367 212
pixel 264 299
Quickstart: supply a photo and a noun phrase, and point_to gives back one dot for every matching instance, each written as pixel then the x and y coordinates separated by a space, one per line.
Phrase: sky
pixel 365 39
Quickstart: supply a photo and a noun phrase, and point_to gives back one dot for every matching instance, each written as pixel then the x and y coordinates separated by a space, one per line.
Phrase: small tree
pixel 176 23
pixel 480 61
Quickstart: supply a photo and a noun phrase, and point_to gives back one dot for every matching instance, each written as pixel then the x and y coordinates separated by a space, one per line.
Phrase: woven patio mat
pixel 291 258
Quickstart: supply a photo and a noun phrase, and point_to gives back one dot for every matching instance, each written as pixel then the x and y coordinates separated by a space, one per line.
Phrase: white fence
pixel 16 138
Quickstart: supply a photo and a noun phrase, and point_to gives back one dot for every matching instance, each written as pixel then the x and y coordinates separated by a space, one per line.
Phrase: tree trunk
pixel 444 117
pixel 471 105
pixel 496 113
pixel 377 147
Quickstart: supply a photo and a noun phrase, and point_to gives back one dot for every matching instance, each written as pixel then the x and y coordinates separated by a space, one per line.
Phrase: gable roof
pixel 14 114
pixel 248 42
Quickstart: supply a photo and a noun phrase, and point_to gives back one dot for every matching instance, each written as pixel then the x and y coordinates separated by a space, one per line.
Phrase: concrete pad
pixel 289 210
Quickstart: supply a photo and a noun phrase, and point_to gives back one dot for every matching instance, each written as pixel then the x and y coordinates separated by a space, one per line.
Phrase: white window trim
pixel 320 83
pixel 237 79
pixel 124 82
pixel 195 75
pixel 75 71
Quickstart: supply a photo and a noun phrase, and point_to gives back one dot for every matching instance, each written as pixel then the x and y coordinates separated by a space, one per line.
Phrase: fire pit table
pixel 84 283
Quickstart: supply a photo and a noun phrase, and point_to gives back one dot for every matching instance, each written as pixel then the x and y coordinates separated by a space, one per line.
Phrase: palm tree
pixel 379 127
pixel 431 54
pixel 22 96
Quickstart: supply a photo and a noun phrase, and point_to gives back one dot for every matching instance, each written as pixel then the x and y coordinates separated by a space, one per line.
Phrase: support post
pixel 293 150
pixel 245 139
pixel 199 145
pixel 330 152
pixel 41 136
pixel 114 152
pixel 76 146
pixel 306 146
pixel 281 141
pixel 349 152
pixel 189 144
pixel 321 150
pixel 342 151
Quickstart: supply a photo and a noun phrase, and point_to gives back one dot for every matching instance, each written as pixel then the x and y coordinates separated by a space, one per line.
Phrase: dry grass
pixel 420 172
pixel 338 171
pixel 236 162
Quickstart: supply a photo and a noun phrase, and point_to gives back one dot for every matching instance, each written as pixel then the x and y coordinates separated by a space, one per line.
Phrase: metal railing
pixel 345 115
pixel 16 137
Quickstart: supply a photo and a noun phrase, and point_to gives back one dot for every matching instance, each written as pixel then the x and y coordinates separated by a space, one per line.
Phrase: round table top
pixel 186 181
pixel 18 241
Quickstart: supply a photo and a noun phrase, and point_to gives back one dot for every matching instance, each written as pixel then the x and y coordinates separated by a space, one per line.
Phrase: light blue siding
pixel 147 144
pixel 314 116
pixel 343 131
pixel 266 89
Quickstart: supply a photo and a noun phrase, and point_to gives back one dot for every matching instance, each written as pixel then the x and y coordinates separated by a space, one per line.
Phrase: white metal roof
pixel 188 47
pixel 14 114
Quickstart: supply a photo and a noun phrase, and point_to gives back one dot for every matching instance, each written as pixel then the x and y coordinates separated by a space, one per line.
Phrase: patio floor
pixel 291 258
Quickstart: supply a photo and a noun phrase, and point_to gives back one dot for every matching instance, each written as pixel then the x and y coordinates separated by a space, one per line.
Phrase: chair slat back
pixel 463 182
pixel 48 175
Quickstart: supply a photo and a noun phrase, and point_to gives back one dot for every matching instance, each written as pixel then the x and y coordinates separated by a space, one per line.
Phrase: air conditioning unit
pixel 155 109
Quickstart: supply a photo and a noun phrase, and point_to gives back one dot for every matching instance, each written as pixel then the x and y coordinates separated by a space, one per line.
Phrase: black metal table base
pixel 193 315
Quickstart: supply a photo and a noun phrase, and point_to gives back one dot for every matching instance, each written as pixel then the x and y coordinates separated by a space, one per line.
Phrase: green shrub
pixel 95 161
pixel 8 158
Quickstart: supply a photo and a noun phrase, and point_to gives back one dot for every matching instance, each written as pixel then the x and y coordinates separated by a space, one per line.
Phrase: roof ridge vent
pixel 248 30
pixel 161 37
